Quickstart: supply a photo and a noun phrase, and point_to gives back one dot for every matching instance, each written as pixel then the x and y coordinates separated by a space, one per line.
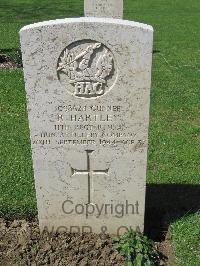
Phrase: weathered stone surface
pixel 104 8
pixel 88 93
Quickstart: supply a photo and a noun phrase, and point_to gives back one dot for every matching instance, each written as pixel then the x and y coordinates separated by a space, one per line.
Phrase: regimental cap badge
pixel 87 67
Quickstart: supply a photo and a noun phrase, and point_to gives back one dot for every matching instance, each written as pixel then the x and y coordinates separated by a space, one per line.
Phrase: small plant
pixel 137 249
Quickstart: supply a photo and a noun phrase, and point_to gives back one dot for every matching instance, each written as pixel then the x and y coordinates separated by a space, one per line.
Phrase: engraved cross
pixel 89 172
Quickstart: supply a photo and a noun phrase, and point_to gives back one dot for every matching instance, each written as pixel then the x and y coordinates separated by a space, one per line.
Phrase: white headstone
pixel 104 8
pixel 88 94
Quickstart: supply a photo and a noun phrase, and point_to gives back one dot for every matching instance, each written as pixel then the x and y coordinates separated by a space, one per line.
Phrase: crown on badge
pixel 91 65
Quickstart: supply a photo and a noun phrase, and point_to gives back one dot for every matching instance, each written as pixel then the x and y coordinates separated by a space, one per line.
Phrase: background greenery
pixel 174 128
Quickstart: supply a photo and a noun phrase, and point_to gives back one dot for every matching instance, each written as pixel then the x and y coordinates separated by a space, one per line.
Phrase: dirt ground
pixel 7 63
pixel 22 244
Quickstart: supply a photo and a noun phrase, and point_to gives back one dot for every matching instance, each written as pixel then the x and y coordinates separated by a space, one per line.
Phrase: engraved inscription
pixel 88 124
pixel 90 174
pixel 86 68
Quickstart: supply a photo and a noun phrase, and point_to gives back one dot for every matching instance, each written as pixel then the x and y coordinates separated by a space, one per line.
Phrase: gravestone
pixel 88 94
pixel 104 8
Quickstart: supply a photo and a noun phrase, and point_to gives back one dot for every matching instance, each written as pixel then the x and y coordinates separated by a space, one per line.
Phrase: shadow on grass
pixel 165 203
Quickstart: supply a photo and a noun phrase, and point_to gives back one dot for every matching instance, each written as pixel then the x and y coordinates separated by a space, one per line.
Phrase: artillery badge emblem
pixel 86 68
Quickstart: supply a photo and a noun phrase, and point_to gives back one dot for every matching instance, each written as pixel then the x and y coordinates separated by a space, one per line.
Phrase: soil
pixel 7 63
pixel 22 244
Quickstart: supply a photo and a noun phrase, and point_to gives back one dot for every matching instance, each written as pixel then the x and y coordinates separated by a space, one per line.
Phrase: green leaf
pixel 137 249
pixel 115 239
pixel 138 260
pixel 128 263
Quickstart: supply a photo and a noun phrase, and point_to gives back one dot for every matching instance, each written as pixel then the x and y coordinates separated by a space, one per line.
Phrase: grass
pixel 174 128
pixel 17 195
pixel 16 13
pixel 186 237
